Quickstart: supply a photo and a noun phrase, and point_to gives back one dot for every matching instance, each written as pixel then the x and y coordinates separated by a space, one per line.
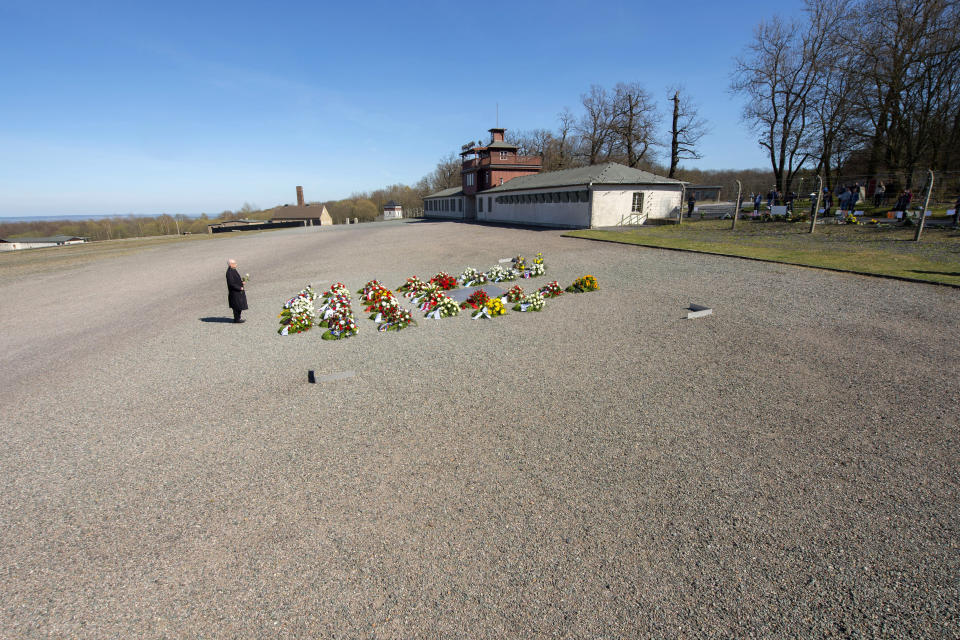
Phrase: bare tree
pixel 686 130
pixel 777 75
pixel 446 174
pixel 835 131
pixel 908 62
pixel 633 122
pixel 595 127
pixel 565 138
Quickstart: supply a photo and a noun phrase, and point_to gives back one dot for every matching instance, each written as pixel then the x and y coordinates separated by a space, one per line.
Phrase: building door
pixel 469 207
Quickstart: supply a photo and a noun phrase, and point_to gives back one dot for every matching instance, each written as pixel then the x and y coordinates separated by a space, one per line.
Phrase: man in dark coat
pixel 236 296
pixel 691 203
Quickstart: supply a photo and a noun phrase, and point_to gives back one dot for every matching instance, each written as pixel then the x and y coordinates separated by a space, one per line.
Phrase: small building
pixel 14 244
pixel 308 215
pixel 392 211
pixel 704 193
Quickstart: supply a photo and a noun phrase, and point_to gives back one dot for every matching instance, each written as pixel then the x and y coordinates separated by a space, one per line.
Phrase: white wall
pixel 14 246
pixel 392 214
pixel 613 203
pixel 550 214
pixel 453 214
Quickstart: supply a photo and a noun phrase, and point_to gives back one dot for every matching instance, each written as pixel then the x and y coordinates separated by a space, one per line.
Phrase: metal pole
pixel 926 203
pixel 816 209
pixel 736 210
pixel 683 197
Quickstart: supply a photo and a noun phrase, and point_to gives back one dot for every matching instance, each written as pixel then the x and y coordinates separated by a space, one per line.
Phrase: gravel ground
pixel 601 469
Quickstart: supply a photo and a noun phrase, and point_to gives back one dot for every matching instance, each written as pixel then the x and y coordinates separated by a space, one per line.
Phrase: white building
pixel 392 211
pixel 14 244
pixel 604 195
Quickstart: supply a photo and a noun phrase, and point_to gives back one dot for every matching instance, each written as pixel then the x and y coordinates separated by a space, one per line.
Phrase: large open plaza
pixel 604 468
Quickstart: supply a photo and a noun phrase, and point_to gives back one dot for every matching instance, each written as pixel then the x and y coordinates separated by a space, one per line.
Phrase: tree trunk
pixel 674 141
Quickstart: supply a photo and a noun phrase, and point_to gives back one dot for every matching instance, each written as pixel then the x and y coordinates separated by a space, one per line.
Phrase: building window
pixel 459 204
pixel 469 179
pixel 501 180
pixel 503 155
pixel 480 205
pixel 637 206
pixel 489 204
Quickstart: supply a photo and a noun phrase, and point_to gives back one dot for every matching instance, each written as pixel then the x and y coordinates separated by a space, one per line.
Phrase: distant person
pixel 827 201
pixel 691 203
pixel 790 198
pixel 956 213
pixel 757 200
pixel 903 202
pixel 770 195
pixel 878 194
pixel 236 296
pixel 854 196
pixel 907 199
pixel 843 199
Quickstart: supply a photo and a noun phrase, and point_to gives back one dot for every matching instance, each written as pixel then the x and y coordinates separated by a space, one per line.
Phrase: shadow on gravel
pixel 502 225
pixel 215 319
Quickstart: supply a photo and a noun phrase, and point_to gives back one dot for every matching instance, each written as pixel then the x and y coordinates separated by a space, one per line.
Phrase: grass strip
pixel 875 251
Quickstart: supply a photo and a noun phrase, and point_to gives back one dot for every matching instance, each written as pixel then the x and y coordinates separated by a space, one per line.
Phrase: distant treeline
pixel 129 226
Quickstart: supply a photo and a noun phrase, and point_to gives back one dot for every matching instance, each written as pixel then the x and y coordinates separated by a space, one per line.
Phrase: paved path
pixel 601 469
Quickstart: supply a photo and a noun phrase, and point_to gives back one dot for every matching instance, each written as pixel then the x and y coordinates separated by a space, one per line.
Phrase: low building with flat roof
pixel 14 244
pixel 602 195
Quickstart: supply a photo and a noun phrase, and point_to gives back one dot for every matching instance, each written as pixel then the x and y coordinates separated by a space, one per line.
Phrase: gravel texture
pixel 785 467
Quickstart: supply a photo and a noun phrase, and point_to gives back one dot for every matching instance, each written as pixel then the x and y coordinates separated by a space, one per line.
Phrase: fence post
pixel 736 210
pixel 683 194
pixel 816 207
pixel 923 213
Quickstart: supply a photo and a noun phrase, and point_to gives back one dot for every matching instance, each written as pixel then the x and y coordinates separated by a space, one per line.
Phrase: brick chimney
pixel 299 196
pixel 497 134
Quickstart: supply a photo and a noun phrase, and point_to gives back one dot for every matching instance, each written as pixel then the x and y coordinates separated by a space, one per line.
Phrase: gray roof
pixel 446 193
pixel 500 144
pixel 39 240
pixel 609 173
pixel 391 204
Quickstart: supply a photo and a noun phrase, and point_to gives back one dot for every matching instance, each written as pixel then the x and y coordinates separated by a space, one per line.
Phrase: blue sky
pixel 189 107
